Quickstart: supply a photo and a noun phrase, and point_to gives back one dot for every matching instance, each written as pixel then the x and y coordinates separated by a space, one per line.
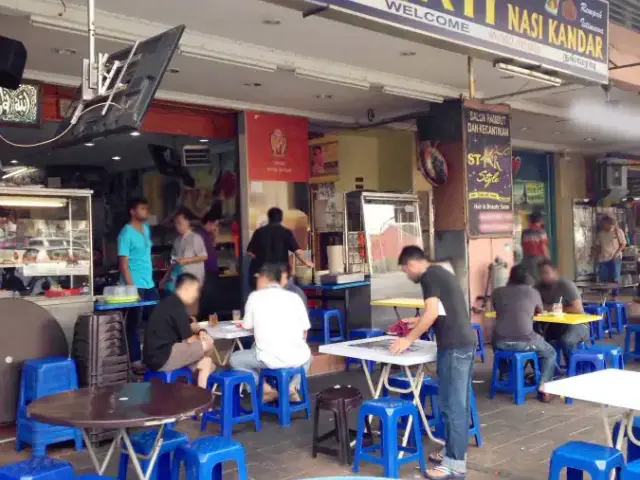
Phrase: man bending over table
pixel 169 342
pixel 445 308
pixel 280 322
pixel 554 289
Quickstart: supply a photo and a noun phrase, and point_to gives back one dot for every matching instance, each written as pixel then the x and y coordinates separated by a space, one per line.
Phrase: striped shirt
pixel 534 241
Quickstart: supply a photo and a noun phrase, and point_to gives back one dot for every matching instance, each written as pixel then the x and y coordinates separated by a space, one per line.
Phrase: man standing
pixel 272 244
pixel 169 343
pixel 610 244
pixel 134 257
pixel 209 231
pixel 446 309
pixel 535 245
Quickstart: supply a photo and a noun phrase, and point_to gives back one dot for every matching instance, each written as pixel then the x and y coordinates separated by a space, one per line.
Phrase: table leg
pixel 92 455
pixel 236 343
pixel 376 391
pixel 152 457
pixel 395 309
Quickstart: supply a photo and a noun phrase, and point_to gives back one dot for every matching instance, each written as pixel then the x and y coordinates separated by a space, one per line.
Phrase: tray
pixel 114 300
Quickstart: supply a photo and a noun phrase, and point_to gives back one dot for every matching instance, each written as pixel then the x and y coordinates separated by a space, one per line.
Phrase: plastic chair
pixel 602 311
pixel 359 334
pixel 171 376
pixel 231 411
pixel 515 382
pixel 631 470
pixel 280 378
pixel 618 311
pixel 37 468
pixel 585 362
pixel 143 443
pixel 325 315
pixel 93 476
pixel 577 457
pixel 480 347
pixel 633 450
pixel 612 355
pixel 390 411
pixel 632 330
pixel 203 458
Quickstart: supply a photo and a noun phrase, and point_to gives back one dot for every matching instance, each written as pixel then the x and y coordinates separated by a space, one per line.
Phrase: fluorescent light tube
pixel 18 201
pixel 530 74
pixel 331 78
pixel 231 60
pixel 415 94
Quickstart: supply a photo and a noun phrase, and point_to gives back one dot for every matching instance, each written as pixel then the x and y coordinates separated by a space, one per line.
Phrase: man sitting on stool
pixel 280 322
pixel 169 343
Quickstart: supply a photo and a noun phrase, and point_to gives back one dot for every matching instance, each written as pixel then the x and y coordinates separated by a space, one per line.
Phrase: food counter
pixel 46 250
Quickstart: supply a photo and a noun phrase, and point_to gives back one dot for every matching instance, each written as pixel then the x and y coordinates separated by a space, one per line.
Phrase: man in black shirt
pixel 272 244
pixel 169 342
pixel 445 307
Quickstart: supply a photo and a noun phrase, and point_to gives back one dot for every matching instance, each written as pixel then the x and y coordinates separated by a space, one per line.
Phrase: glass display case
pixel 45 244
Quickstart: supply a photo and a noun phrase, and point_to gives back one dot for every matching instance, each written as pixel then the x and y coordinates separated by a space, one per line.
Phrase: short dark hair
pixel 607 219
pixel 184 278
pixel 286 268
pixel 273 272
pixel 274 215
pixel 546 263
pixel 210 217
pixel 411 252
pixel 535 217
pixel 519 276
pixel 182 212
pixel 134 202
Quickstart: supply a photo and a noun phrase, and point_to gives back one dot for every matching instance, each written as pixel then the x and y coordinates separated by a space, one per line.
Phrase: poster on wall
pixel 21 106
pixel 488 166
pixel 324 161
pixel 277 147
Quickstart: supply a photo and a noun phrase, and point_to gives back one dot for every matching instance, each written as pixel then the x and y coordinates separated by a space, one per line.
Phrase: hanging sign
pixel 569 36
pixel 488 166
pixel 21 106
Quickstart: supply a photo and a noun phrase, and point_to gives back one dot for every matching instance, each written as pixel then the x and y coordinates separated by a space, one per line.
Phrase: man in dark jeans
pixel 445 308
pixel 134 257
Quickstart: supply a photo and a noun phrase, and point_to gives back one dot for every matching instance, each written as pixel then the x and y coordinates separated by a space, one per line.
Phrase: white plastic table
pixel 376 349
pixel 610 387
pixel 226 331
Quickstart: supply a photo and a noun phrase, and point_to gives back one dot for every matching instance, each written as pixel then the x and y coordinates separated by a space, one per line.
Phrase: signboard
pixel 324 161
pixel 21 106
pixel 569 36
pixel 489 182
pixel 277 147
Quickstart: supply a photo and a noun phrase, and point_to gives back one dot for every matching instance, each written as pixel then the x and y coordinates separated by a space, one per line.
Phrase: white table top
pixel 227 330
pixel 613 387
pixel 420 352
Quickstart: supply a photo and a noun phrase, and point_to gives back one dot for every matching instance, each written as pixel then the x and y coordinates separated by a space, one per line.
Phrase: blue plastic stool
pixel 633 450
pixel 618 312
pixel 585 362
pixel 359 334
pixel 280 378
pixel 515 382
pixel 390 411
pixel 562 363
pixel 39 378
pixel 612 355
pixel 631 330
pixel 577 457
pixel 231 411
pixel 203 458
pixel 631 470
pixel 143 442
pixel 602 311
pixel 93 476
pixel 480 347
pixel 428 391
pixel 171 376
pixel 37 468
pixel 325 315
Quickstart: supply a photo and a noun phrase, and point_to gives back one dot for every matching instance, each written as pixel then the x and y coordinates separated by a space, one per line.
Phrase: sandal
pixel 436 457
pixel 441 472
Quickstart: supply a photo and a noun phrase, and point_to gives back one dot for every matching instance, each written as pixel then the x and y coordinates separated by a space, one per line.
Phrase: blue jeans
pixel 135 318
pixel 455 372
pixel 247 360
pixel 610 271
pixel 572 337
pixel 546 353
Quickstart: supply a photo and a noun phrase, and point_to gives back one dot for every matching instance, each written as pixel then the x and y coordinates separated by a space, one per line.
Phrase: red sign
pixel 277 147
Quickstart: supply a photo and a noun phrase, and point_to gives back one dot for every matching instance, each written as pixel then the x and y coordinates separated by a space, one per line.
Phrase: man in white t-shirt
pixel 280 322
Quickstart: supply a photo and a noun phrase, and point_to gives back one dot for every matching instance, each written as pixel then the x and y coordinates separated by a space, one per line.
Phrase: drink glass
pixel 236 315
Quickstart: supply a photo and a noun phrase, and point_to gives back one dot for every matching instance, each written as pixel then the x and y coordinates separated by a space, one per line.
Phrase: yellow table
pixel 399 303
pixel 566 319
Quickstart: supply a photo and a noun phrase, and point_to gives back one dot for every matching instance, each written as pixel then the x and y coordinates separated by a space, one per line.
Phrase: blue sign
pixel 568 36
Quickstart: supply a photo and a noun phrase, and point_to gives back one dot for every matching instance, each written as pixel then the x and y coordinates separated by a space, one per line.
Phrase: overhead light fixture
pixel 16 171
pixel 66 26
pixel 271 22
pixel 414 94
pixel 331 78
pixel 135 134
pixel 233 60
pixel 407 54
pixel 13 161
pixel 204 140
pixel 324 96
pixel 252 84
pixel 528 73
pixel 173 70
pixel 524 129
pixel 116 158
pixel 11 201
pixel 65 52
pixel 89 144
pixel 589 139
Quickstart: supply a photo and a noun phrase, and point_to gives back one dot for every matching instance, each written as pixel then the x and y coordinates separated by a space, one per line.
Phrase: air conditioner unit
pixel 196 156
pixel 611 179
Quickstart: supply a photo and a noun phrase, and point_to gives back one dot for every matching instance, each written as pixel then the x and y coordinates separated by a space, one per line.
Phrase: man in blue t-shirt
pixel 134 256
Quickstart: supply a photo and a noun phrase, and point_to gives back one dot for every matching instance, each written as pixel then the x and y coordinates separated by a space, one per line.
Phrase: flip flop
pixel 441 472
pixel 436 457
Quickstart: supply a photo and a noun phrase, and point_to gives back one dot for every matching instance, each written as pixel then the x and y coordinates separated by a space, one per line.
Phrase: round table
pixel 122 407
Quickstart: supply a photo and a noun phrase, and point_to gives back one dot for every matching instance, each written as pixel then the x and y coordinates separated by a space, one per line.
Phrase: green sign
pixel 21 106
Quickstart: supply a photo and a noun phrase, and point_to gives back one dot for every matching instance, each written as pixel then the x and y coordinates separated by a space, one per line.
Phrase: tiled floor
pixel 518 440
